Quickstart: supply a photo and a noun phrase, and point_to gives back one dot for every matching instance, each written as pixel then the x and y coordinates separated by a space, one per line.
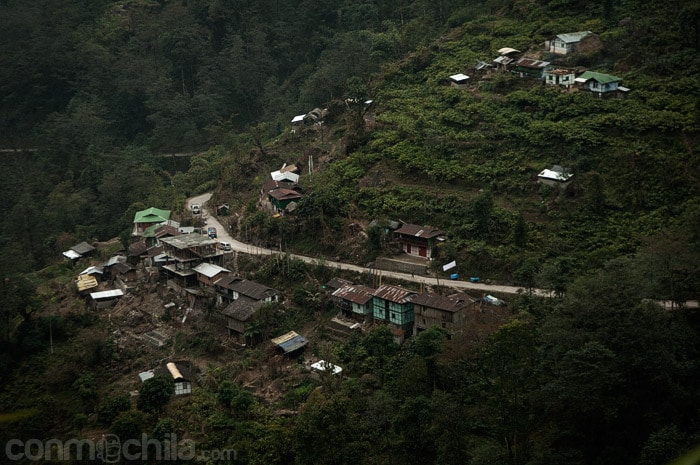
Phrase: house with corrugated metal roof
pixel 180 372
pixel 239 317
pixel 354 301
pixel 601 83
pixel 458 80
pixel 558 176
pixel 79 250
pixel 208 273
pixel 507 56
pixel 230 288
pixel 418 240
pixel 565 44
pixel 153 234
pixel 144 219
pixel 290 342
pixel 393 305
pixel 187 251
pixel 282 199
pixel 238 300
pixel 529 67
pixel 105 299
pixel 447 312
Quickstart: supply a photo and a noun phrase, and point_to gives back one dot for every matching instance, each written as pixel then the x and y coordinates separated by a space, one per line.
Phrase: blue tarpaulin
pixel 290 342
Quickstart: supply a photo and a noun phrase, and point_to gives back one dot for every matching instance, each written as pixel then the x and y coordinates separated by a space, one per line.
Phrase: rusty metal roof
pixel 393 293
pixel 531 63
pixel 356 293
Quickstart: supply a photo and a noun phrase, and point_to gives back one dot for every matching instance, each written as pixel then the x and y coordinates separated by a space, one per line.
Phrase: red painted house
pixel 418 240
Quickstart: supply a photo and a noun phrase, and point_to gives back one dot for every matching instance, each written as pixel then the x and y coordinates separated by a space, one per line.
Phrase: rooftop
pixel 356 293
pixel 599 77
pixel 393 293
pixel 573 37
pixel 185 241
pixel 425 232
pixel 152 215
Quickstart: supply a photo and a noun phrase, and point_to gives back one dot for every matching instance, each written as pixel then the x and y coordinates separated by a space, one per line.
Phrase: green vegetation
pixel 98 100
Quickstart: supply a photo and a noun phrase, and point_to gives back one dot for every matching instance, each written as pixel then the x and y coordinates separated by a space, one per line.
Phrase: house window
pixel 393 315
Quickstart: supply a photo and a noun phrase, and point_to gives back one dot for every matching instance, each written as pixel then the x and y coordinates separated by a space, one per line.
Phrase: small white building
pixel 555 177
pixel 105 299
pixel 560 77
pixel 564 44
pixel 459 80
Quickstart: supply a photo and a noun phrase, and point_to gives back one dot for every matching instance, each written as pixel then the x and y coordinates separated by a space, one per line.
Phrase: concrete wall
pixel 389 264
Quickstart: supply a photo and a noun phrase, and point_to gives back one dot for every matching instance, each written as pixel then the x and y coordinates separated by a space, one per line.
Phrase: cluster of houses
pixel 281 192
pixel 511 60
pixel 193 264
pixel 407 312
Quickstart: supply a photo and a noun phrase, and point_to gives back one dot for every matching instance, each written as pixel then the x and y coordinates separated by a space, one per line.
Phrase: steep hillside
pixel 466 159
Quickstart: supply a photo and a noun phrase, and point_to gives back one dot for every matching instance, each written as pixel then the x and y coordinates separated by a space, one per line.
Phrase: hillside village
pixel 190 276
pixel 366 233
pixel 190 265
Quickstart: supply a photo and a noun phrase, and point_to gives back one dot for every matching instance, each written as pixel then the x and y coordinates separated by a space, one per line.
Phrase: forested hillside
pixel 108 108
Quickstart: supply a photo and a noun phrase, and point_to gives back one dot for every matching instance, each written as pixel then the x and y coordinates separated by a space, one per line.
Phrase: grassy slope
pixel 435 148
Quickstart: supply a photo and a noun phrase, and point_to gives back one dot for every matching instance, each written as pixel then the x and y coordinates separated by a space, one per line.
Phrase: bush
pixel 112 407
pixel 155 393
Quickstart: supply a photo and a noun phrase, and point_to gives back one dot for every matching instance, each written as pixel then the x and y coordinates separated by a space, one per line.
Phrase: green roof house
pixel 600 83
pixel 144 219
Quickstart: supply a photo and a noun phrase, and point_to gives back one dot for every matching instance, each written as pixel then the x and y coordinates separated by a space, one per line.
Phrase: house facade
pixel 419 241
pixel 600 83
pixel 529 67
pixel 565 44
pixel 230 288
pixel 355 301
pixel 278 194
pixel 208 273
pixel 449 313
pixel 188 251
pixel 392 304
pixel 144 219
pixel 281 198
pixel 560 77
pixel 239 317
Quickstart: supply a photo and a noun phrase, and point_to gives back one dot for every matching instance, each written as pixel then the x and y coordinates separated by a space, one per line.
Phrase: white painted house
pixel 556 177
pixel 564 44
pixel 459 80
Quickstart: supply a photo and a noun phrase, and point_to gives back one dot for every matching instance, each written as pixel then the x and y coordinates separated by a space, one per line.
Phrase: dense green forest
pixel 97 96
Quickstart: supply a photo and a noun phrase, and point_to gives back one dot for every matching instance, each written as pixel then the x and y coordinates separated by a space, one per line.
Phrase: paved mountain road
pixel 223 235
